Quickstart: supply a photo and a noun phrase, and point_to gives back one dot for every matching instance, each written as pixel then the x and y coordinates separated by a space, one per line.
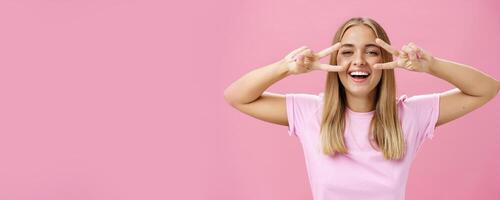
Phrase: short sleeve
pixel 300 108
pixel 425 111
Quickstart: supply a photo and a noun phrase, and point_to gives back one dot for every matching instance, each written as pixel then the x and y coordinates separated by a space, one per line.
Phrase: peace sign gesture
pixel 303 60
pixel 410 57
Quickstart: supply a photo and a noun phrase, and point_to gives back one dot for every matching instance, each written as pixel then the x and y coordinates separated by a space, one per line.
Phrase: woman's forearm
pixel 466 78
pixel 251 86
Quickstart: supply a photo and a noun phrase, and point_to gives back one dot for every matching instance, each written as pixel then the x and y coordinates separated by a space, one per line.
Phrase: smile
pixel 359 77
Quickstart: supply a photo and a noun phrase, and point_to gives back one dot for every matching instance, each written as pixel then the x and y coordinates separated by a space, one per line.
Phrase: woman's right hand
pixel 303 60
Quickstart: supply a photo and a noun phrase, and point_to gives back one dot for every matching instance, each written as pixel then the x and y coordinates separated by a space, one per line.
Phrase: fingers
pixel 388 65
pixel 329 50
pixel 402 62
pixel 297 56
pixel 308 57
pixel 409 56
pixel 305 57
pixel 410 49
pixel 387 47
pixel 294 53
pixel 403 55
pixel 300 60
pixel 307 53
pixel 332 68
pixel 419 53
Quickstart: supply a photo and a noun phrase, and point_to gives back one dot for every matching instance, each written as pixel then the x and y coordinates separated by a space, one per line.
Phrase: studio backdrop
pixel 109 99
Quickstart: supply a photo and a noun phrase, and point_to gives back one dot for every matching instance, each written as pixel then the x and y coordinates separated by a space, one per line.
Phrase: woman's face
pixel 361 52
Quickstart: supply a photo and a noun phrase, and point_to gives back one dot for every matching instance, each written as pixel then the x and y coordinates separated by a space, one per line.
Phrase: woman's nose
pixel 359 60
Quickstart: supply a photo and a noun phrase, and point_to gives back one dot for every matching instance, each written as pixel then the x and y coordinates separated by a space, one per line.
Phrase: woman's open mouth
pixel 359 77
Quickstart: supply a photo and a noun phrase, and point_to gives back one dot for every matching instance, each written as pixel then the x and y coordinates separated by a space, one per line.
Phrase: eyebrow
pixel 352 45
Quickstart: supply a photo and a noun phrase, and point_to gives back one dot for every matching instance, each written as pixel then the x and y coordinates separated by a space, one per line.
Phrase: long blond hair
pixel 385 123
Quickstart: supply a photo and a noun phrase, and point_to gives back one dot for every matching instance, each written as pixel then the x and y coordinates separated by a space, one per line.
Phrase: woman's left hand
pixel 410 56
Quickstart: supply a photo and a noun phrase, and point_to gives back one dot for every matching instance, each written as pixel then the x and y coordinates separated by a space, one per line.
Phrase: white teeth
pixel 359 73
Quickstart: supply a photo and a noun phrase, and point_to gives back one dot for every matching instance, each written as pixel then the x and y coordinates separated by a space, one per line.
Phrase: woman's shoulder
pixel 418 101
pixel 308 98
pixel 423 107
pixel 306 101
pixel 422 111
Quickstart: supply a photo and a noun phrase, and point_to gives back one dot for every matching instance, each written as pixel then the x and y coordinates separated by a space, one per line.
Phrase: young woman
pixel 359 139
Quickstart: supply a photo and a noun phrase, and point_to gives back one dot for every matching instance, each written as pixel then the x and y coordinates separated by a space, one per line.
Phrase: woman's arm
pixel 253 84
pixel 469 80
pixel 247 93
pixel 474 89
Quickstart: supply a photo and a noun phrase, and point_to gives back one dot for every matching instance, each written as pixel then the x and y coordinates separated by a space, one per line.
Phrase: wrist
pixel 282 68
pixel 434 63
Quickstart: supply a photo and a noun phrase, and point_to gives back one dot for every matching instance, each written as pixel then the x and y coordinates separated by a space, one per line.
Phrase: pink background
pixel 124 99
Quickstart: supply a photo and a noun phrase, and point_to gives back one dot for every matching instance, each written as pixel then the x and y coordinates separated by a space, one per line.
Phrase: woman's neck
pixel 361 103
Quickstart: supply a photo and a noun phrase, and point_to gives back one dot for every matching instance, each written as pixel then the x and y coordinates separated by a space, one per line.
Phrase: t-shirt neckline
pixel 360 114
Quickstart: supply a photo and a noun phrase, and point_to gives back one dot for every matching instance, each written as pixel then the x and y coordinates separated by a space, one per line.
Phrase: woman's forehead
pixel 359 36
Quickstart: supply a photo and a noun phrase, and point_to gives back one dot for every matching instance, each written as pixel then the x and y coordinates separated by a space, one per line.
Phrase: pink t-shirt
pixel 364 173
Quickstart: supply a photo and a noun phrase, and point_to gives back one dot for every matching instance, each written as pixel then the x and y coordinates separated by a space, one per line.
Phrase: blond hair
pixel 384 125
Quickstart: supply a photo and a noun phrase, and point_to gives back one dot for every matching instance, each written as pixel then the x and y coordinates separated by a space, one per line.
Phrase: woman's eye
pixel 373 53
pixel 346 52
